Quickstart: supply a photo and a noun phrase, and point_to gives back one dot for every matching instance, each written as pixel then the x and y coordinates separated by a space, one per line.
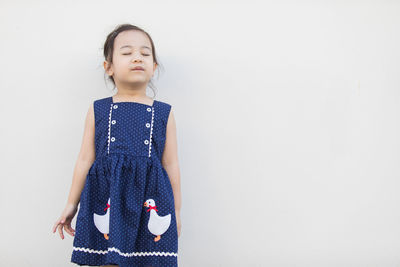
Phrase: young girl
pixel 127 178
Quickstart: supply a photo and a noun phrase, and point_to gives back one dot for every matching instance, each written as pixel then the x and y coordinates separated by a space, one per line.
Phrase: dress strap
pixel 163 109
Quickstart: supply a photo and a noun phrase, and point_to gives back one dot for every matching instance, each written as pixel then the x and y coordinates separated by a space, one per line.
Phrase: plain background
pixel 287 120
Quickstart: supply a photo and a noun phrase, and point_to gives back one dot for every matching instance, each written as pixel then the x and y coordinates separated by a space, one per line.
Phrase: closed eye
pixel 143 54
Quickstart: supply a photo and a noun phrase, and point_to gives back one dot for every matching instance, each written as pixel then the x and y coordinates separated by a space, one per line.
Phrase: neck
pixel 131 92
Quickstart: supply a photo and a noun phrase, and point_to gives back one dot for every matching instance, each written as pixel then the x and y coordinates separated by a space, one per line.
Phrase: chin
pixel 136 78
pixel 136 81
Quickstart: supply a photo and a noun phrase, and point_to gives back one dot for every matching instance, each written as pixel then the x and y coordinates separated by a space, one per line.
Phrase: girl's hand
pixel 65 220
pixel 178 223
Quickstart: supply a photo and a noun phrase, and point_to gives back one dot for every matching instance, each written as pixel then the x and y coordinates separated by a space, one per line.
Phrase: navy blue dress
pixel 126 212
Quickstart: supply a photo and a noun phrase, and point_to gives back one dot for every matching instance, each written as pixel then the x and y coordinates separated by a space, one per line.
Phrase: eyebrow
pixel 143 46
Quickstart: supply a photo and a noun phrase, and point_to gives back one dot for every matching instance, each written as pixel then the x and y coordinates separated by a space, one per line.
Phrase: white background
pixel 287 119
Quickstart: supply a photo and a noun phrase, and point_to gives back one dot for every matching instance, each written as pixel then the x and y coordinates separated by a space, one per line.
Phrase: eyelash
pixel 143 54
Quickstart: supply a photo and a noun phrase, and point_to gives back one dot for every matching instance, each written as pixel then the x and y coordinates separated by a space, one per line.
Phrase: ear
pixel 107 68
pixel 155 66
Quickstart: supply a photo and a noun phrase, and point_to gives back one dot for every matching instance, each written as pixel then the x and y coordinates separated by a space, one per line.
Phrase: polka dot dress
pixel 127 214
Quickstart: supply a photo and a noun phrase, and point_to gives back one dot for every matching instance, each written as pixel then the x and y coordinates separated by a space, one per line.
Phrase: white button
pixel 146 141
pixel 149 109
pixel 113 122
pixel 112 139
pixel 147 125
pixel 115 106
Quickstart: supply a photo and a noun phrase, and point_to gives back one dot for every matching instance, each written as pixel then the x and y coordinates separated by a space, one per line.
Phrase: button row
pixel 116 106
pixel 145 141
pixel 114 122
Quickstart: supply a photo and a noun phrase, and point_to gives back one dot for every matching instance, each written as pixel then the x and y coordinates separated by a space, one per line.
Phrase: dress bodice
pixel 130 127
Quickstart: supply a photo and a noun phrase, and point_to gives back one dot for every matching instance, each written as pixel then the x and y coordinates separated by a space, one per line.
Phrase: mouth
pixel 137 69
pixel 145 204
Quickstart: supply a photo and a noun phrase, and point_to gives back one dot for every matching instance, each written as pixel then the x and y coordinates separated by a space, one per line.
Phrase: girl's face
pixel 131 49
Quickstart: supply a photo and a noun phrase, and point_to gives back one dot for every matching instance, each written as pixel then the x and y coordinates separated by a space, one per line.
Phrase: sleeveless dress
pixel 126 211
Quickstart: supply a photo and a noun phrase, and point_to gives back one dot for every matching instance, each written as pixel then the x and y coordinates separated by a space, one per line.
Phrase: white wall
pixel 287 115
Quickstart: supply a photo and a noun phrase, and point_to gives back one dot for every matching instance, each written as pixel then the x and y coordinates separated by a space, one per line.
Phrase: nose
pixel 136 60
pixel 137 57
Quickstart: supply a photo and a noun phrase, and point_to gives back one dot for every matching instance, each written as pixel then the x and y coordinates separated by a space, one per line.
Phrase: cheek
pixel 149 65
pixel 149 72
pixel 122 64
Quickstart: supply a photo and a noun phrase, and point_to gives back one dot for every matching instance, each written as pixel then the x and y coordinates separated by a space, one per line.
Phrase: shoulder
pixel 90 114
pixel 102 104
pixel 163 104
pixel 102 100
pixel 165 109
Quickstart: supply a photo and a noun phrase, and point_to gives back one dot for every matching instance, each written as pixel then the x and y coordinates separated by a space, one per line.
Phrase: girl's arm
pixel 85 160
pixel 170 161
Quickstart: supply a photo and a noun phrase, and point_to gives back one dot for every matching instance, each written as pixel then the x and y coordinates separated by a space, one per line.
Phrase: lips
pixel 138 68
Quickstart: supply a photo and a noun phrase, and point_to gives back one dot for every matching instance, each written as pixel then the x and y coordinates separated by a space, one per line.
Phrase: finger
pixel 56 224
pixel 61 231
pixel 69 227
pixel 69 230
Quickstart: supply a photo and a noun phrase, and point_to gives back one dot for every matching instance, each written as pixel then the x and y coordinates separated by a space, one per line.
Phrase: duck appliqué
pixel 102 222
pixel 157 225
